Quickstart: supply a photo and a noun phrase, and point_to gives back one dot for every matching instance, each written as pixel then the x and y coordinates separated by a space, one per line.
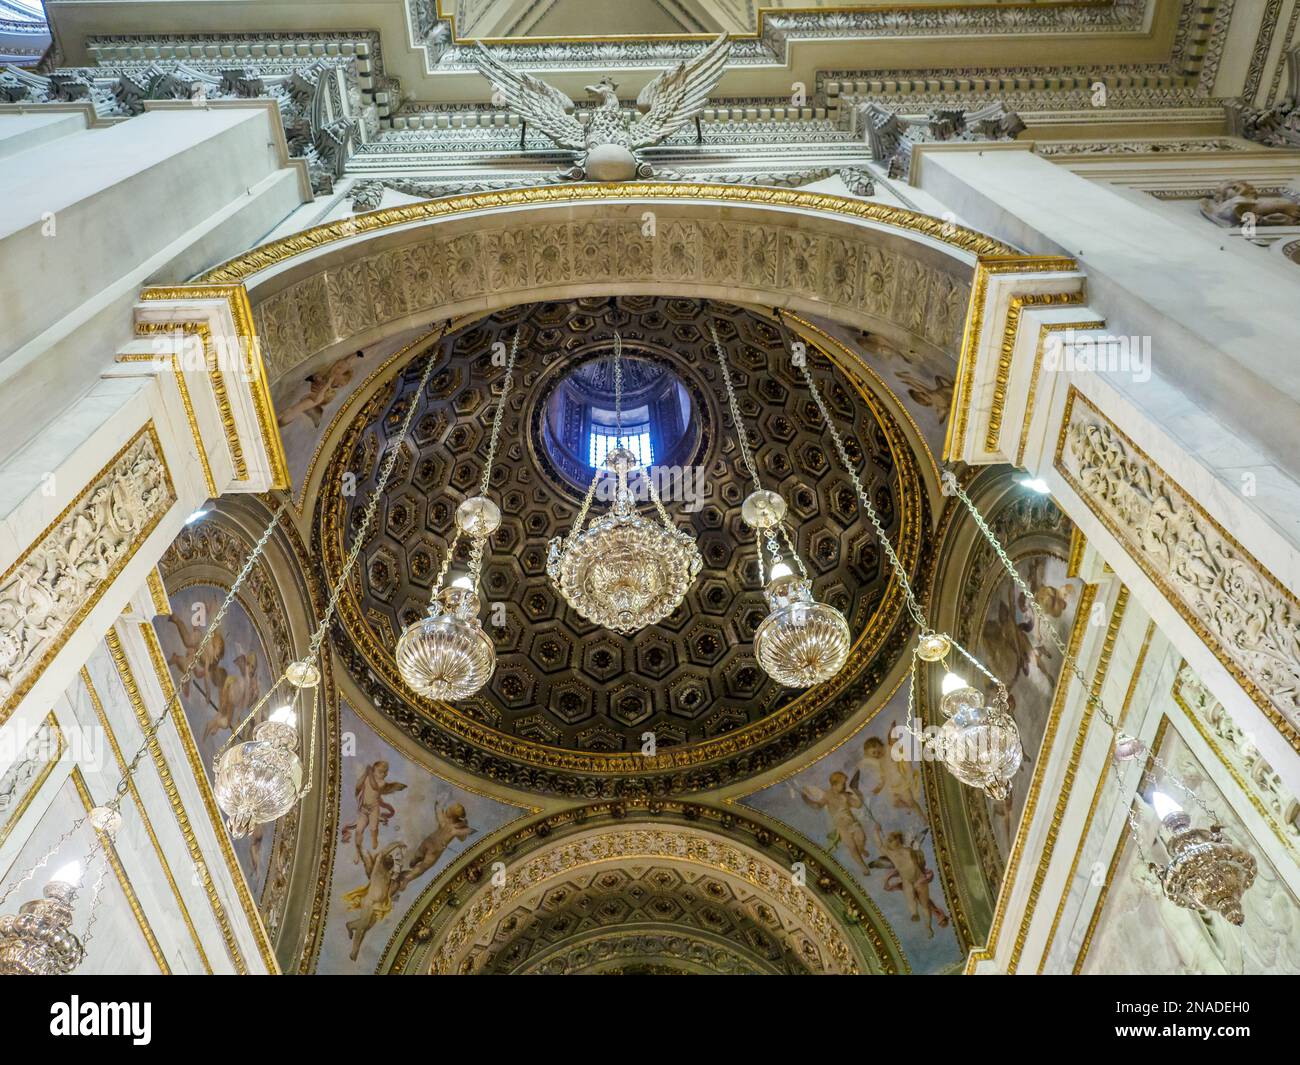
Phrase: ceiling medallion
pixel 446 654
pixel 623 571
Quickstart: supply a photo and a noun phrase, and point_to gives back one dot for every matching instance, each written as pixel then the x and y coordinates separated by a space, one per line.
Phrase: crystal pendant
pixel 624 571
pixel 446 654
pixel 979 744
pixel 38 939
pixel 258 780
pixel 801 642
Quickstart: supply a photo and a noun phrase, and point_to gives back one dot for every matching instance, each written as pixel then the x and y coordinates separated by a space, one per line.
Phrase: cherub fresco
pixel 909 874
pixel 237 693
pixel 373 811
pixel 452 825
pixel 935 397
pixel 841 799
pixel 373 901
pixel 898 780
pixel 322 388
pixel 191 636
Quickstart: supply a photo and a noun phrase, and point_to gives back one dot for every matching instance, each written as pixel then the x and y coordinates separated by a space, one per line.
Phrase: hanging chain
pixel 618 389
pixel 742 438
pixel 1091 694
pixel 654 498
pixel 496 417
pixel 372 504
pixel 913 606
pixel 311 743
pixel 150 733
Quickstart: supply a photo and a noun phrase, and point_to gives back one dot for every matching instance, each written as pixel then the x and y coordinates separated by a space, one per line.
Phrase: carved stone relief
pixel 1234 745
pixel 1246 617
pixel 1239 203
pixel 59 579
pixel 329 307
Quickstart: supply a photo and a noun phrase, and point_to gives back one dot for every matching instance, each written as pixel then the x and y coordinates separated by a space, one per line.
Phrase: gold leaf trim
pixel 986 267
pixel 947 233
pixel 145 820
pixel 91 601
pixel 110 856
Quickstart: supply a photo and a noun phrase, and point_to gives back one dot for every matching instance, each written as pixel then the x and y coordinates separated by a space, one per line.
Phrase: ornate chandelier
pixel 1206 870
pixel 446 654
pixel 980 745
pixel 801 642
pixel 259 780
pixel 262 778
pixel 38 940
pixel 623 571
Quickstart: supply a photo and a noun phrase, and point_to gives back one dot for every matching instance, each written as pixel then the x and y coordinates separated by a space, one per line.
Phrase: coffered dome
pixel 570 705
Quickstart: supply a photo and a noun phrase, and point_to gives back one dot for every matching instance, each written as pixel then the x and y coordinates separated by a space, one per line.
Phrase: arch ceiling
pixel 345 315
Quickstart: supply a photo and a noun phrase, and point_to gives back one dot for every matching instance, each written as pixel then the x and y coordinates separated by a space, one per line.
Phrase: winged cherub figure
pixel 606 147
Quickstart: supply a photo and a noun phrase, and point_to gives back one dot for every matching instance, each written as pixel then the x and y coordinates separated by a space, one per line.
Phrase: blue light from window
pixel 636 438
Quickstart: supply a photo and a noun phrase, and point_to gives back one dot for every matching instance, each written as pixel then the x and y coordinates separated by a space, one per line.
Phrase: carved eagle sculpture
pixel 607 145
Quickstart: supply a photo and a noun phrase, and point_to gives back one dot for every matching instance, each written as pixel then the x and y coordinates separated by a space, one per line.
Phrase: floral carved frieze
pixel 1237 750
pixel 56 582
pixel 343 301
pixel 1243 614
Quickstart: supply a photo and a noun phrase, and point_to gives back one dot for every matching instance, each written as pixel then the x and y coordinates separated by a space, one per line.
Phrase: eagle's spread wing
pixel 537 103
pixel 673 98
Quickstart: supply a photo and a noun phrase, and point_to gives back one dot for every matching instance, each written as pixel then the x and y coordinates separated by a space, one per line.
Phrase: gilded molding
pixel 60 578
pixel 187 403
pixel 1071 772
pixel 1096 798
pixel 1078 546
pixel 985 267
pixel 1032 395
pixel 246 332
pixel 1081 622
pixel 158 593
pixel 145 820
pixel 1009 332
pixel 204 332
pixel 1247 618
pixel 51 724
pixel 110 856
pixel 118 654
pixel 1156 743
pixel 959 237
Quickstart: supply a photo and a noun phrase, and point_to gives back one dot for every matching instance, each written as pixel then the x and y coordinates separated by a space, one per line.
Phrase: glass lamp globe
pixel 446 654
pixel 979 744
pixel 801 642
pixel 38 939
pixel 258 780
